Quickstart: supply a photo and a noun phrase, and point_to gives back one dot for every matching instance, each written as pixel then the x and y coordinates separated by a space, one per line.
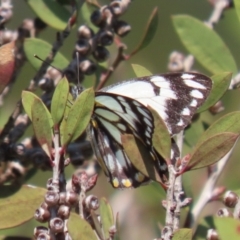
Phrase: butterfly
pixel 122 108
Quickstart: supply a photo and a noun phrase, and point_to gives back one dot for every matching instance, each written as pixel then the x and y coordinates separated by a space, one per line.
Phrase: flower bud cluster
pixel 55 210
pixel 106 19
pixel 57 205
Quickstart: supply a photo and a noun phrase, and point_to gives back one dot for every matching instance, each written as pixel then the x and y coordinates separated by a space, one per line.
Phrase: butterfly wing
pixel 115 115
pixel 121 108
pixel 175 96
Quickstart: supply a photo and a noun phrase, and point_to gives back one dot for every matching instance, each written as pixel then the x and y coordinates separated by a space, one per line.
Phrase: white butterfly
pixel 122 108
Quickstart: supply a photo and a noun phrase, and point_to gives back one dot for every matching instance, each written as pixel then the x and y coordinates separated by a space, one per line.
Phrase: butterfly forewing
pixel 175 96
pixel 121 108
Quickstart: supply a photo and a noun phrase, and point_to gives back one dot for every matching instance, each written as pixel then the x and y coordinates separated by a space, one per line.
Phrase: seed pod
pixel 71 198
pixel 56 225
pixel 91 202
pixel 212 235
pixel 119 7
pixel 98 18
pixel 217 107
pixel 87 67
pixel 121 28
pixel 64 211
pixel 38 230
pixel 224 212
pixel 230 199
pixel 105 37
pixel 52 198
pixel 42 214
pixel 101 54
pixel 85 32
pixel 82 46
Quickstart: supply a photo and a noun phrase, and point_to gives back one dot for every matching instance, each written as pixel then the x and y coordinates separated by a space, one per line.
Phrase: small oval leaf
pixel 220 85
pixel 13 209
pixel 205 44
pixel 117 224
pixel 28 99
pixel 79 116
pixel 59 100
pixel 183 234
pixel 50 12
pixel 97 225
pixel 107 218
pixel 149 33
pixel 140 71
pixel 211 150
pixel 42 125
pixel 139 157
pixel 227 228
pixel 161 138
pixel 7 64
pixel 80 228
pixel 41 48
pixel 228 123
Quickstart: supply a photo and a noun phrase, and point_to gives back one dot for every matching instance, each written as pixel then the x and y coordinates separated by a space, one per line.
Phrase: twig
pixel 219 7
pixel 174 197
pixel 178 193
pixel 207 191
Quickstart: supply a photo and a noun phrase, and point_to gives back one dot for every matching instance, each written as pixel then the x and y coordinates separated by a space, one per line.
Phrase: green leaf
pixel 42 125
pixel 227 228
pixel 140 157
pixel 221 83
pixel 211 150
pixel 42 49
pixel 59 100
pixel 205 44
pixel 117 224
pixel 79 116
pixel 183 234
pixel 161 138
pixel 80 228
pixel 140 71
pixel 28 99
pixel 107 218
pixel 50 12
pixel 228 123
pixel 20 207
pixel 149 33
pixel 97 225
pixel 237 7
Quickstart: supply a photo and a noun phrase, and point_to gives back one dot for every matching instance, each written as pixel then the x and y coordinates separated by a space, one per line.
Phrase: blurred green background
pixel 140 209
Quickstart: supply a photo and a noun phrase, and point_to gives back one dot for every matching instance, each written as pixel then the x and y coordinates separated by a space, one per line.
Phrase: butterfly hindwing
pixel 115 162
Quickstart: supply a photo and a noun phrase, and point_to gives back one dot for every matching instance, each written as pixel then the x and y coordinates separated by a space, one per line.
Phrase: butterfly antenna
pixel 47 63
pixel 79 87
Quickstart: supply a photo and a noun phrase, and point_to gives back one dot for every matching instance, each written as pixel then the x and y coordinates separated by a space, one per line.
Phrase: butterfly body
pixel 122 108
